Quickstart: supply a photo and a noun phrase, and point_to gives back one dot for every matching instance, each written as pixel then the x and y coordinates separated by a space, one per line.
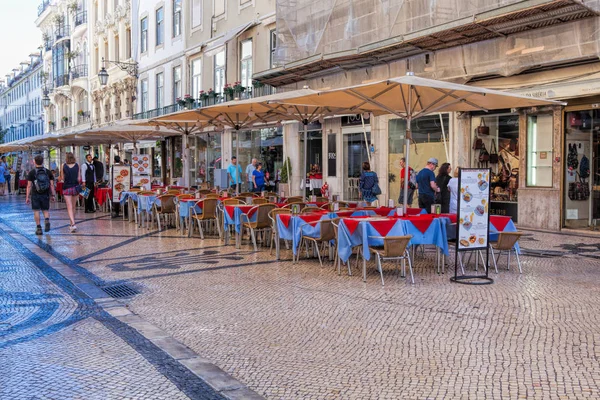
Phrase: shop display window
pixel 498 137
pixel 266 145
pixel 539 150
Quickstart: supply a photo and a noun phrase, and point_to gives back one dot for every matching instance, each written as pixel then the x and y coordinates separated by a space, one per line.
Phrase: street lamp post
pixel 130 68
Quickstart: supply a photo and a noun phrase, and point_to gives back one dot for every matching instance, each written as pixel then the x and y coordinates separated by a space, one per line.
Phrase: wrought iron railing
pixel 80 18
pixel 83 117
pixel 79 71
pixel 61 32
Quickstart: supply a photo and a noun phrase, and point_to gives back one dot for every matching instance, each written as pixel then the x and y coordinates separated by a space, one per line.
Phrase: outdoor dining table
pixel 102 196
pixel 501 223
pixel 185 212
pixel 426 229
pixel 145 203
pixel 232 215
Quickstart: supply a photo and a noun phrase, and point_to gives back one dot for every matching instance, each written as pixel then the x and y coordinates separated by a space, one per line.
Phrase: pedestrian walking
pixel 426 184
pixel 235 174
pixel 412 180
pixel 2 178
pixel 369 183
pixel 258 178
pixel 441 180
pixel 40 189
pixel 89 181
pixel 7 171
pixel 453 188
pixel 70 176
pixel 249 176
pixel 98 169
pixel 116 206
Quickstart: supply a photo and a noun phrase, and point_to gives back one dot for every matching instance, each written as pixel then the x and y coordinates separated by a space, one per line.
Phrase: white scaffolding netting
pixel 308 28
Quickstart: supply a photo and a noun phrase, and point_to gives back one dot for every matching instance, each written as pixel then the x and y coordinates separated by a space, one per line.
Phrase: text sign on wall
pixel 473 221
pixel 331 155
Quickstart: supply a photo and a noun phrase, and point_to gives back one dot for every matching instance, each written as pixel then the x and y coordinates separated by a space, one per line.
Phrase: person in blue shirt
pixel 235 173
pixel 258 178
pixel 426 185
pixel 367 181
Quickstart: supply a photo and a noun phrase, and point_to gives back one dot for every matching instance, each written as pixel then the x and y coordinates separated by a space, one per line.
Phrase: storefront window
pixel 539 150
pixel 501 142
pixel 266 145
pixel 430 134
pixel 205 156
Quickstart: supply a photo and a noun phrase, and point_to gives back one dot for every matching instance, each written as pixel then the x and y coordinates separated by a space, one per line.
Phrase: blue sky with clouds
pixel 18 34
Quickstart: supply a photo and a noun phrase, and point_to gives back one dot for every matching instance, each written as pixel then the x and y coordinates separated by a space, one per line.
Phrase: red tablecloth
pixel 499 221
pixel 101 194
pixel 245 209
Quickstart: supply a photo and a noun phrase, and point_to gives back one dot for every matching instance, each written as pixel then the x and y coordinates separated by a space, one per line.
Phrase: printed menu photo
pixel 473 209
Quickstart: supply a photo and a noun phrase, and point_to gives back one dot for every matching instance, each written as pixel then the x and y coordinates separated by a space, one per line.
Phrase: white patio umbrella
pixel 410 97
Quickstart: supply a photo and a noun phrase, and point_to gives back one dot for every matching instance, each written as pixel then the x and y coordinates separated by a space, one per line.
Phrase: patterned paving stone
pixel 293 331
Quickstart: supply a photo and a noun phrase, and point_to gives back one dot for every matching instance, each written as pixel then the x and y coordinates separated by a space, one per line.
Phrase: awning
pixel 214 45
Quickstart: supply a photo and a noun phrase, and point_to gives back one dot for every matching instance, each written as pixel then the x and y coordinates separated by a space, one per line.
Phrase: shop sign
pixel 331 155
pixel 353 120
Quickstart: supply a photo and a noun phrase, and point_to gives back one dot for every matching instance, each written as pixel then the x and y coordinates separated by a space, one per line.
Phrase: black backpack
pixel 42 181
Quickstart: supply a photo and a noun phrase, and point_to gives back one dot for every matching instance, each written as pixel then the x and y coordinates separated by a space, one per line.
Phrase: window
pixel 219 7
pixel 176 18
pixel 196 77
pixel 144 35
pixel 273 44
pixel 128 44
pixel 160 90
pixel 246 63
pixel 160 26
pixel 176 83
pixel 219 71
pixel 196 13
pixel 144 95
pixel 539 150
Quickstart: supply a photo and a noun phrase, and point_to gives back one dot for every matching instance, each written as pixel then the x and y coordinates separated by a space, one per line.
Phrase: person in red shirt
pixel 411 185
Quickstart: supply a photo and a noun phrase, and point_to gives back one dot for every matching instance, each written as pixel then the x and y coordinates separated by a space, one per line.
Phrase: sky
pixel 18 34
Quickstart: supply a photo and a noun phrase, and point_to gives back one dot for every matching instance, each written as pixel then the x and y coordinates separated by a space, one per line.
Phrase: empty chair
pixel 506 242
pixel 326 235
pixel 231 202
pixel 294 199
pixel 208 213
pixel 204 191
pixel 259 200
pixel 300 204
pixel 166 209
pixel 394 248
pixel 322 199
pixel 262 223
pixel 247 194
pixel 273 217
pixel 309 209
pixel 211 196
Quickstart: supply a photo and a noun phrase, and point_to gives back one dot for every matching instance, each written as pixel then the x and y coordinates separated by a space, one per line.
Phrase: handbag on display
pixel 482 129
pixel 484 156
pixel 477 144
pixel 575 119
pixel 493 153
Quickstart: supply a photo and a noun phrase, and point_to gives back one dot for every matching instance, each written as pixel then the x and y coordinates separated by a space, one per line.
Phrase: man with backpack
pixel 412 182
pixel 40 189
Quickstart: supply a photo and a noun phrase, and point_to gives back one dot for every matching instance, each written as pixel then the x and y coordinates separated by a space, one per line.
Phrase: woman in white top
pixel 453 188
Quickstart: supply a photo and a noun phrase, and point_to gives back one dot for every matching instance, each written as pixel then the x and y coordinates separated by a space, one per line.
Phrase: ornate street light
pixel 130 68
pixel 103 76
pixel 46 100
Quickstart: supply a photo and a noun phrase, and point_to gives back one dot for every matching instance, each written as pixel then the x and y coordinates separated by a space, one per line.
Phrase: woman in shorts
pixel 70 175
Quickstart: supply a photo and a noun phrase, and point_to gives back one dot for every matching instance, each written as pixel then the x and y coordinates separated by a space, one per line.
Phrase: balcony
pixel 83 117
pixel 61 32
pixel 47 46
pixel 80 18
pixel 65 123
pixel 42 7
pixel 249 93
pixel 60 80
pixel 80 71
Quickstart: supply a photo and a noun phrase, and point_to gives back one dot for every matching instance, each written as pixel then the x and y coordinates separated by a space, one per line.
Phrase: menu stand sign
pixel 121 180
pixel 473 221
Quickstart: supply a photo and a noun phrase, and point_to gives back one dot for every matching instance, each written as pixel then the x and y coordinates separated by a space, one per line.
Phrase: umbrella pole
pixel 444 137
pixel 186 159
pixel 366 141
pixel 237 157
pixel 306 169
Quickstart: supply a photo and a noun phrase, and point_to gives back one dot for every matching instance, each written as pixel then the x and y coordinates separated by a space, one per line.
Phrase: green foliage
pixel 287 166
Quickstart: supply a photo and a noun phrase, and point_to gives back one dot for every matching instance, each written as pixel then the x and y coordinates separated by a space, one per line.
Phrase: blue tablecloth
pixel 145 203
pixel 126 195
pixel 236 220
pixel 186 206
pixel 510 227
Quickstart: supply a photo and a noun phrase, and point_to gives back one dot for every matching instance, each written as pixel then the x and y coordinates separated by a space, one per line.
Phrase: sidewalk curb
pixel 222 383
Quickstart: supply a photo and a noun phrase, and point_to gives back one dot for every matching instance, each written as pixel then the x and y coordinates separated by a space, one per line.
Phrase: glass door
pixel 355 153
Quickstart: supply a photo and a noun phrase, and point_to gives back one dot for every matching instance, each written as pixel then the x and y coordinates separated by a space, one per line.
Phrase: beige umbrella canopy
pixel 411 97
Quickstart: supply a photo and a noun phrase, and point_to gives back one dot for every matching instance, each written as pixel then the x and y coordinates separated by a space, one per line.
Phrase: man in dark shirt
pixel 99 169
pixel 89 178
pixel 426 184
pixel 40 178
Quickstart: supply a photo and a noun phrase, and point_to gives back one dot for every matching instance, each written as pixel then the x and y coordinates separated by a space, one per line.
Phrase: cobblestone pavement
pixel 299 331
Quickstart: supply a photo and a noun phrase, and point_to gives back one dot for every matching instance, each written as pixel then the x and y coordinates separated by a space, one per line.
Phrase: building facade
pixel 545 49
pixel 21 111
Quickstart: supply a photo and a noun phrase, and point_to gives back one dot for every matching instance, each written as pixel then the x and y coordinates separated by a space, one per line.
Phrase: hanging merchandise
pixel 579 191
pixel 572 161
pixel 584 167
pixel 575 120
pixel 482 129
pixel 477 144
pixel 484 157
pixel 586 121
pixel 493 153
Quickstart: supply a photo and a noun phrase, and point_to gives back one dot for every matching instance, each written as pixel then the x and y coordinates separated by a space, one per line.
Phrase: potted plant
pixel 80 113
pixel 228 91
pixel 65 119
pixel 72 7
pixel 52 124
pixel 286 174
pixel 58 19
pixel 203 96
pixel 180 102
pixel 238 88
pixel 189 101
pixel 45 38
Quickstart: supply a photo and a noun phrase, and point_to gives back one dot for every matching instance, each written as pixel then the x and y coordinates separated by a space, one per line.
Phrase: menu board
pixel 141 181
pixel 473 208
pixel 140 163
pixel 121 180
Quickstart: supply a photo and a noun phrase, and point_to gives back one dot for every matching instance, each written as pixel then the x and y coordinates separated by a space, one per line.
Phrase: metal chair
pixel 273 217
pixel 204 191
pixel 262 223
pixel 294 199
pixel 259 200
pixel 394 248
pixel 209 213
pixel 322 200
pixel 166 209
pixel 211 196
pixel 309 209
pixel 327 234
pixel 231 202
pixel 506 242
pixel 353 187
